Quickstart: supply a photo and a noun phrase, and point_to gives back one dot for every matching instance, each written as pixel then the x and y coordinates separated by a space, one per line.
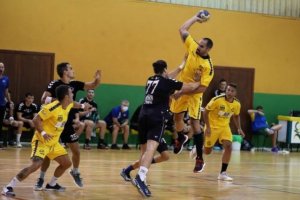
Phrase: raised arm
pixel 176 71
pixel 93 84
pixel 187 25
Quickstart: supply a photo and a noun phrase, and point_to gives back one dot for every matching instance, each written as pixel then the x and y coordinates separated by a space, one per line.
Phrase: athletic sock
pixel 53 181
pixel 13 182
pixel 75 170
pixel 42 174
pixel 18 137
pixel 224 167
pixel 198 140
pixel 142 173
pixel 128 169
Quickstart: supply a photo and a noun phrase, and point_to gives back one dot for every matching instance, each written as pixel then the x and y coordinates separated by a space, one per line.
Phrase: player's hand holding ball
pixel 203 16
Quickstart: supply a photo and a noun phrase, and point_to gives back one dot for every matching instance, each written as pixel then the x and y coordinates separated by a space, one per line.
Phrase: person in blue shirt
pixel 260 125
pixel 118 121
pixel 4 83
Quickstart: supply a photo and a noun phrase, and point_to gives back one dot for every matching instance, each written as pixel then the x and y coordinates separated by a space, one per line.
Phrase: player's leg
pixel 75 173
pixel 163 156
pixel 115 132
pixel 60 155
pixel 179 107
pixel 142 137
pixel 145 162
pixel 125 131
pixel 227 145
pixel 226 141
pixel 19 125
pixel 89 126
pixel 36 163
pixel 38 153
pixel 101 124
pixel 40 181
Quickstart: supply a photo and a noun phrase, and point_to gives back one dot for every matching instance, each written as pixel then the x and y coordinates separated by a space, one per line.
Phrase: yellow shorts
pixel 41 150
pixel 218 133
pixel 190 103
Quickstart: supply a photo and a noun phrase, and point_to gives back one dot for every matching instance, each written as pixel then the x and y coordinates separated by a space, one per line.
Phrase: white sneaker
pixel 193 153
pixel 19 145
pixel 224 177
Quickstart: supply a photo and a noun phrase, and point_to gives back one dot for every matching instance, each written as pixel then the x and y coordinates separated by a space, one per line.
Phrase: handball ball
pixel 203 14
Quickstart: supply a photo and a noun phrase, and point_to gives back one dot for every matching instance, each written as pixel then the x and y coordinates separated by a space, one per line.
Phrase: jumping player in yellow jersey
pixel 49 123
pixel 197 62
pixel 217 116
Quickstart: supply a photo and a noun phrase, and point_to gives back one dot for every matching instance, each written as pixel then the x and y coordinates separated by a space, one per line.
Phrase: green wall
pixel 108 96
pixel 276 104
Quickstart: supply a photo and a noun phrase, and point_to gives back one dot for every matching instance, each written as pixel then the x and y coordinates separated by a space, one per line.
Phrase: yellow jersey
pixel 194 63
pixel 54 119
pixel 221 111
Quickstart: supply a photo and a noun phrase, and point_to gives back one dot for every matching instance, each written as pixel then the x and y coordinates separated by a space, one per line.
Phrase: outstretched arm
pixel 95 83
pixel 187 25
pixel 175 72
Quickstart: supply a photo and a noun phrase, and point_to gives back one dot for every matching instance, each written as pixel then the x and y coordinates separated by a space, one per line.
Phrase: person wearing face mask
pixel 4 83
pixel 117 121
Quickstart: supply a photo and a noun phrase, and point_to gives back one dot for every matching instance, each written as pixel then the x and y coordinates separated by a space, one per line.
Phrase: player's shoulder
pixel 52 106
pixel 76 82
pixel 219 98
pixel 34 105
pixel 236 101
pixel 54 83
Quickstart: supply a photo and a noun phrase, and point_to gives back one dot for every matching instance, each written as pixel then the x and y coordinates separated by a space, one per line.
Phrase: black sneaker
pixel 125 175
pixel 56 187
pixel 76 178
pixel 115 146
pixel 141 186
pixel 125 146
pixel 39 184
pixel 8 191
pixel 199 165
pixel 87 147
pixel 102 146
pixel 179 142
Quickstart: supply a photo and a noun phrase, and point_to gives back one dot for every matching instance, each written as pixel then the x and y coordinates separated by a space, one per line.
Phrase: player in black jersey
pixel 73 126
pixel 27 110
pixel 91 118
pixel 153 116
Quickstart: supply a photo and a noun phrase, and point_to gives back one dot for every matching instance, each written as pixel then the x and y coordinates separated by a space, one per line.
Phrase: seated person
pixel 260 125
pixel 92 120
pixel 221 88
pixel 27 110
pixel 118 120
pixel 10 122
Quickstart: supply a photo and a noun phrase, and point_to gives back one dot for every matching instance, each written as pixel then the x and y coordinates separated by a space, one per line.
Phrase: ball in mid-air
pixel 203 14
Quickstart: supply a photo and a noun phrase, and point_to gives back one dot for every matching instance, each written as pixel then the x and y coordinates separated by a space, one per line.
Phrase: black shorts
pixel 26 125
pixel 151 125
pixel 66 134
pixel 163 146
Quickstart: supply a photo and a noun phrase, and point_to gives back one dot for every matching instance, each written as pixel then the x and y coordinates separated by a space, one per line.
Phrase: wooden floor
pixel 257 175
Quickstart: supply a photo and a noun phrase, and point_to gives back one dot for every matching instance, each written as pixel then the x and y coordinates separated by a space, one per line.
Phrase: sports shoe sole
pixel 60 190
pixel 124 176
pixel 201 169
pixel 185 140
pixel 220 179
pixel 38 189
pixel 139 188
pixel 74 180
